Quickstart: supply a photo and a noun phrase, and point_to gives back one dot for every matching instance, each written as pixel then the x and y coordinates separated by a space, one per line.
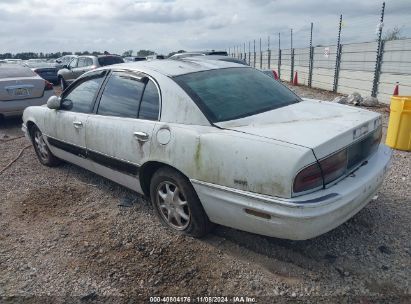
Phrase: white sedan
pixel 216 142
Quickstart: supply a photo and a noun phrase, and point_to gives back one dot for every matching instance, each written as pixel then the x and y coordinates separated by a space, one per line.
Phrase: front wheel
pixel 177 204
pixel 43 152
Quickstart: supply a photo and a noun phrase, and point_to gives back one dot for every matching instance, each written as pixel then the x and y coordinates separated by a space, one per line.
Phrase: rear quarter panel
pixel 231 159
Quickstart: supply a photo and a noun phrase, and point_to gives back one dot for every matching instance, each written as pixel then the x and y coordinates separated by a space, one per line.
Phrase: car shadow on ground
pixel 10 127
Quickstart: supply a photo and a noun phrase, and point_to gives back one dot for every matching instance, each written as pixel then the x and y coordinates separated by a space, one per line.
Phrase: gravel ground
pixel 70 235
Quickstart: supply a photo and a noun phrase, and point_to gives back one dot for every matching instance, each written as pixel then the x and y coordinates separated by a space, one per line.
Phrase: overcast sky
pixel 168 25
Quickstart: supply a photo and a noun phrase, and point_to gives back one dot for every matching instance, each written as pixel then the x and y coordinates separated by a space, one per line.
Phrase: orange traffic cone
pixel 295 81
pixel 396 89
pixel 275 75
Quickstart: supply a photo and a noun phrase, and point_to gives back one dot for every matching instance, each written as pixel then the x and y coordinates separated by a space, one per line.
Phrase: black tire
pixel 198 223
pixel 42 150
pixel 63 83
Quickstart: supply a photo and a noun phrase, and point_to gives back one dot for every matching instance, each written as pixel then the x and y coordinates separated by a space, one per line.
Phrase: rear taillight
pixel 308 178
pixel 334 166
pixel 48 86
pixel 337 165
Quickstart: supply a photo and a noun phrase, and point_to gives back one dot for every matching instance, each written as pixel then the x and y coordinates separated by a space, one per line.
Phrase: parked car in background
pixel 216 142
pixel 81 64
pixel 215 57
pixel 153 57
pixel 134 58
pixel 20 88
pixel 198 53
pixel 45 70
pixel 64 60
pixel 14 61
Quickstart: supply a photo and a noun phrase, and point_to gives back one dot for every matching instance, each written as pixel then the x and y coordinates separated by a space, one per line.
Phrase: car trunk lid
pixel 321 126
pixel 18 88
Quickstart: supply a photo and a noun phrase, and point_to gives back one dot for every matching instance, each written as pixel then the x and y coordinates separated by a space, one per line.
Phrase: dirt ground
pixel 68 235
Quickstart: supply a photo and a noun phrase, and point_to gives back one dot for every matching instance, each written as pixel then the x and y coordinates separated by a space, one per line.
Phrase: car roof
pixel 172 67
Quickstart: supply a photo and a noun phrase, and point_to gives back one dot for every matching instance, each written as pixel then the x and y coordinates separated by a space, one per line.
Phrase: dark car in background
pixel 45 70
pixel 134 58
pixel 81 64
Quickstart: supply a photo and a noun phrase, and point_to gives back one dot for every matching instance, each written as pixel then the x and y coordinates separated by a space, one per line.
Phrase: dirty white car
pixel 216 142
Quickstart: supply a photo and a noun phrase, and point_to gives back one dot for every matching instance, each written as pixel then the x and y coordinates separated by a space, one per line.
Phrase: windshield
pixel 227 94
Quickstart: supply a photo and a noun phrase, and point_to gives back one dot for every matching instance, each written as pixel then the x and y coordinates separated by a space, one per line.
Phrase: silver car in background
pixel 20 88
pixel 79 65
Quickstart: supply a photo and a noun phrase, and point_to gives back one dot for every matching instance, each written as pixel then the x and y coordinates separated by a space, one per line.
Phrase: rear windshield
pixel 13 70
pixel 227 94
pixel 108 60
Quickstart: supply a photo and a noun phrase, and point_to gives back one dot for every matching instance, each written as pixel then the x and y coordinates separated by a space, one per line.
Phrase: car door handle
pixel 141 136
pixel 77 124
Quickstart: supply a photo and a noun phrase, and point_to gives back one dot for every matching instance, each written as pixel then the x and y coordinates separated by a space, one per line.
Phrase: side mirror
pixel 58 61
pixel 66 66
pixel 67 104
pixel 54 103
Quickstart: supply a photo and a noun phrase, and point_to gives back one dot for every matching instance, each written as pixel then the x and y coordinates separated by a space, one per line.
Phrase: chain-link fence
pixel 369 68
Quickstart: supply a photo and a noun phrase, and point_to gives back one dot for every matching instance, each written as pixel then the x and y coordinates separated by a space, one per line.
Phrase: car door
pixel 69 74
pixel 79 70
pixel 118 136
pixel 66 127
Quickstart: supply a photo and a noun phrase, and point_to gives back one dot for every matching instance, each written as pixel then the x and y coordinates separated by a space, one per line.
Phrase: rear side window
pixel 89 61
pixel 108 60
pixel 150 103
pixel 121 96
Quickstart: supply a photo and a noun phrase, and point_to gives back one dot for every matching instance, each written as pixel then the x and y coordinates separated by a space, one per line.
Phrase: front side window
pixel 81 97
pixel 232 93
pixel 121 96
pixel 150 102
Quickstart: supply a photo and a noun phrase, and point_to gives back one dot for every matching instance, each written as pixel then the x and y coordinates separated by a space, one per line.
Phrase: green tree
pixel 144 53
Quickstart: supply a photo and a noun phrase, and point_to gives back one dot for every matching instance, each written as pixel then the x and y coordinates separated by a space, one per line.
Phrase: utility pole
pixel 337 57
pixel 380 47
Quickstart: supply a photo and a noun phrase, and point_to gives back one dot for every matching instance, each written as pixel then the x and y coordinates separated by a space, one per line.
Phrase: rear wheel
pixel 40 147
pixel 177 204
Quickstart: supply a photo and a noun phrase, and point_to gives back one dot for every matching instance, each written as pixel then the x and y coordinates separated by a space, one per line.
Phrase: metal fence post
pixel 337 68
pixel 254 55
pixel 279 64
pixel 249 52
pixel 268 53
pixel 310 58
pixel 337 57
pixel 261 56
pixel 311 67
pixel 292 65
pixel 380 47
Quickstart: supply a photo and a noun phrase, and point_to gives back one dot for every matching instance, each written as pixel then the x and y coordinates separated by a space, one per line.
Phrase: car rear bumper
pixel 16 107
pixel 299 218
